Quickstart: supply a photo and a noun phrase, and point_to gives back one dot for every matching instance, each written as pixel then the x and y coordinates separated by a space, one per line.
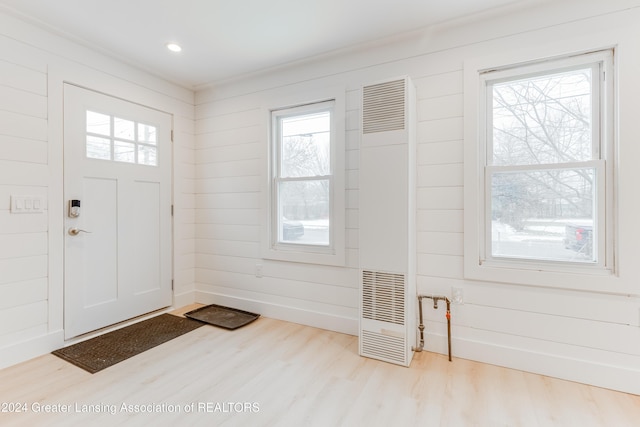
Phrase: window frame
pixel 334 253
pixel 480 75
pixel 276 125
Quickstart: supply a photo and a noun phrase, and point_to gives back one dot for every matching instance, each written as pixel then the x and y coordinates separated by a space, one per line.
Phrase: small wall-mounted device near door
pixel 27 204
pixel 74 208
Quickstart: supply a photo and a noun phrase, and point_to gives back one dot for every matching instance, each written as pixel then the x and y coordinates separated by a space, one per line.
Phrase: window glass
pixel 98 148
pixel 147 133
pixel 304 212
pixel 542 165
pixel 121 140
pixel 124 152
pixel 543 214
pixel 147 155
pixel 306 145
pixel 543 119
pixel 302 176
pixel 124 129
pixel 99 124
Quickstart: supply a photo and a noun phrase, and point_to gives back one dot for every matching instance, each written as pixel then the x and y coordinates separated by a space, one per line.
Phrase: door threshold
pixel 116 326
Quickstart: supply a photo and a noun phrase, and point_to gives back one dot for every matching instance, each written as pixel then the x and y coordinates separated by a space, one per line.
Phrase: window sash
pixel 279 238
pixel 601 105
pixel 535 71
pixel 599 214
pixel 276 238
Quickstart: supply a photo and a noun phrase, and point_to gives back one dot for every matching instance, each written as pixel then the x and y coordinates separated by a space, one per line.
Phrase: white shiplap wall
pixel 230 155
pixel 23 170
pixel 583 336
pixel 33 66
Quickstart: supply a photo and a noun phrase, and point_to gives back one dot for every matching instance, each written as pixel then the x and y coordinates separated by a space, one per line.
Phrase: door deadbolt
pixel 74 208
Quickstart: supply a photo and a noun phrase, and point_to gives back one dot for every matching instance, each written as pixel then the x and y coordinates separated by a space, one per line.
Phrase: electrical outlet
pixel 456 296
pixel 258 270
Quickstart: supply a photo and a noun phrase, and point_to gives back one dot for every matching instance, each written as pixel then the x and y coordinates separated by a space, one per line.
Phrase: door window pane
pixel 124 152
pixel 131 142
pixel 123 129
pixel 98 123
pixel 98 148
pixel 147 133
pixel 147 155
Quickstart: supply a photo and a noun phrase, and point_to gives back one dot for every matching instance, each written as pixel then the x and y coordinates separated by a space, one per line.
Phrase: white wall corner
pixel 184 298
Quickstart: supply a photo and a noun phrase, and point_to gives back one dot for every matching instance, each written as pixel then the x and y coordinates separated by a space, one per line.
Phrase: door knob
pixel 75 231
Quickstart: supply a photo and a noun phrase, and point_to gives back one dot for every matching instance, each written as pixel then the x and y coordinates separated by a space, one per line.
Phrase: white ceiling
pixel 222 39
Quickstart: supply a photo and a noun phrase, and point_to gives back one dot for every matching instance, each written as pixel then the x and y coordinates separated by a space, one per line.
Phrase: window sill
pixel 556 275
pixel 311 256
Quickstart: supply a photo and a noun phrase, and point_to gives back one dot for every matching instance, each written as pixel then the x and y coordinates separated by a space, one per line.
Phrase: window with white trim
pixel 306 184
pixel 545 169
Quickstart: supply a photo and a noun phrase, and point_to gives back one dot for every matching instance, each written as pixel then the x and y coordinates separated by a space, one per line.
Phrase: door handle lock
pixel 74 208
pixel 74 231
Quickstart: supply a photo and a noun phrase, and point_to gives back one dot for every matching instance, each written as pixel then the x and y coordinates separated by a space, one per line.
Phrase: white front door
pixel 117 168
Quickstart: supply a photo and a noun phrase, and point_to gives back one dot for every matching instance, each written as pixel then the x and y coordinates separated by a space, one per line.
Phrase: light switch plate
pixel 27 204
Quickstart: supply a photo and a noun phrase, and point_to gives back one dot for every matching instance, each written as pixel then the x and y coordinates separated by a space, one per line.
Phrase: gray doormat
pixel 106 350
pixel 224 317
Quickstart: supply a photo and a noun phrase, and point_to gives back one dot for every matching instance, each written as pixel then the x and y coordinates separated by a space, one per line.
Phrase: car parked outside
pixel 292 230
pixel 579 237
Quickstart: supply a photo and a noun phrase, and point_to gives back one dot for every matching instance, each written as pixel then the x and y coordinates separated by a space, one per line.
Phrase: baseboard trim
pixel 290 314
pixel 23 351
pixel 619 378
pixel 185 298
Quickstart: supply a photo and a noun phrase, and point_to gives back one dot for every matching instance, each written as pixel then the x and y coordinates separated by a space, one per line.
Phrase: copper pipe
pixel 420 326
pixel 435 306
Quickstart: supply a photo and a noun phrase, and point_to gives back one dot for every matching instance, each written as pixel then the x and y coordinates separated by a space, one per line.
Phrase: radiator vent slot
pixel 383 296
pixel 383 107
pixel 384 347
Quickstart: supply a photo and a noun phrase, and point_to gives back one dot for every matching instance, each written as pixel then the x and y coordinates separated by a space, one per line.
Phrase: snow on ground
pixel 551 230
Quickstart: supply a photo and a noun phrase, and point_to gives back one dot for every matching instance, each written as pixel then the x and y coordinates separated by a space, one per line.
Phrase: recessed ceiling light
pixel 173 47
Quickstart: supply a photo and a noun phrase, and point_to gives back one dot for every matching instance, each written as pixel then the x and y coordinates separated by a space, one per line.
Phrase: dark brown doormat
pixel 105 350
pixel 225 317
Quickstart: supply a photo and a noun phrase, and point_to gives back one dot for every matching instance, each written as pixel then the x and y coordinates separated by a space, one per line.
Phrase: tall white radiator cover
pixel 387 221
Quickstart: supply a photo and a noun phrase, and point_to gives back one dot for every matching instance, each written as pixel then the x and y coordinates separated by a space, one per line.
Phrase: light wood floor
pixel 274 373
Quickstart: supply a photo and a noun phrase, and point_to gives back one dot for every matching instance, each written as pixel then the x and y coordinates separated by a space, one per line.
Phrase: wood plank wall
pixel 23 170
pixel 583 336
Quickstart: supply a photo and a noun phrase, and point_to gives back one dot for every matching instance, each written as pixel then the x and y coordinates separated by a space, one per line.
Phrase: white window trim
pixel 334 254
pixel 477 266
